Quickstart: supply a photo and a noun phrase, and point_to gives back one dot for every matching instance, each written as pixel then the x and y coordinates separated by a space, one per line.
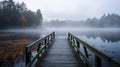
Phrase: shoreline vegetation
pixel 17 15
pixel 12 50
pixel 12 44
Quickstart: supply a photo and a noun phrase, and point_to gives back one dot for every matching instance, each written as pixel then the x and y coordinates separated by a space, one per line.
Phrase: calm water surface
pixel 105 40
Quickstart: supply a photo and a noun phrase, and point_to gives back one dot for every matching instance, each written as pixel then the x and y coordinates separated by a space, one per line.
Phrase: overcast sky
pixel 73 9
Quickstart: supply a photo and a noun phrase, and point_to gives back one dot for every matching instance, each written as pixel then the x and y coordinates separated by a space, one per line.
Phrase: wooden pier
pixel 64 52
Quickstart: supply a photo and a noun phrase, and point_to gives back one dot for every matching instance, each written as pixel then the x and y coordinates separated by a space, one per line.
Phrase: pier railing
pixel 41 45
pixel 76 43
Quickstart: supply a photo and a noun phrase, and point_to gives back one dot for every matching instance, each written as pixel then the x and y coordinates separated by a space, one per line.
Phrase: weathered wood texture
pixel 77 42
pixel 41 45
pixel 60 55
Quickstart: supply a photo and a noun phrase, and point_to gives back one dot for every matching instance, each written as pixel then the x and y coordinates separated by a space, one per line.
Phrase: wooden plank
pixel 99 54
pixel 38 43
pixel 60 55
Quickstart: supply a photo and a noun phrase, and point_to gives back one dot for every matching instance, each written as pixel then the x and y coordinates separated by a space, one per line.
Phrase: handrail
pixel 40 49
pixel 99 56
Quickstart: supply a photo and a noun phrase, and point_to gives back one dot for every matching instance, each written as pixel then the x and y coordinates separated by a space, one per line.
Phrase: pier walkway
pixel 53 51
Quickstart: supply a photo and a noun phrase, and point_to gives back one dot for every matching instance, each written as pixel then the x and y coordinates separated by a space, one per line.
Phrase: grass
pixel 13 50
pixel 5 35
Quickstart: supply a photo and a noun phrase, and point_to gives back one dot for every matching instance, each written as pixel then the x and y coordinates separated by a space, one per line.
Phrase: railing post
pixel 48 40
pixel 53 34
pixel 28 56
pixel 78 44
pixel 69 36
pixel 86 53
pixel 39 47
pixel 73 40
pixel 51 37
pixel 45 41
pixel 114 63
pixel 97 61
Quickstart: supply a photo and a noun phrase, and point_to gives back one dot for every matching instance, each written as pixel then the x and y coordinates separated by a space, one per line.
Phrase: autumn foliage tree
pixel 16 15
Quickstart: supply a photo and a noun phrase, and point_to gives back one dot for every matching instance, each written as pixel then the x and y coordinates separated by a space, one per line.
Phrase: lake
pixel 105 40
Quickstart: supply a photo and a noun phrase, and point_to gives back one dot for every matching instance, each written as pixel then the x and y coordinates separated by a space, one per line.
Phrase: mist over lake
pixel 34 33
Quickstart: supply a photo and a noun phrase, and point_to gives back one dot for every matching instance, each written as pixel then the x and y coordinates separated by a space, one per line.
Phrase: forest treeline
pixel 107 20
pixel 16 15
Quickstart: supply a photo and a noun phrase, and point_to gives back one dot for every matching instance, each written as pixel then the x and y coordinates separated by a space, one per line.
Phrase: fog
pixel 96 22
pixel 73 9
pixel 26 30
pixel 105 39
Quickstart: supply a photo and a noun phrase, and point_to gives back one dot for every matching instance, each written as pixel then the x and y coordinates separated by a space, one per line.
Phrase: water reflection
pixel 105 34
pixel 112 36
pixel 108 47
pixel 106 40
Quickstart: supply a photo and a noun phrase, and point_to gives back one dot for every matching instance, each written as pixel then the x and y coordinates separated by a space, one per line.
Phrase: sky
pixel 73 9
